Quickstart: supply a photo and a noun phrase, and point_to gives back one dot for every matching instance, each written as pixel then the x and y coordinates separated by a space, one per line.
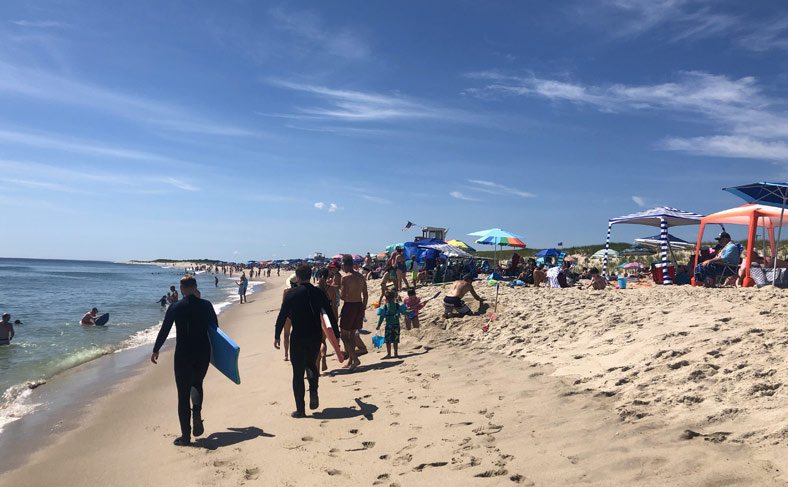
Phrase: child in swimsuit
pixel 414 304
pixel 390 312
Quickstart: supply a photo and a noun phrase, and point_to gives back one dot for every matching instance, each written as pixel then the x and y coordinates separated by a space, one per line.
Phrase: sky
pixel 250 130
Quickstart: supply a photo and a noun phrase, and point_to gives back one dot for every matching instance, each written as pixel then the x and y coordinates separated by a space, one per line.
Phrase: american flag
pixel 560 244
pixel 409 225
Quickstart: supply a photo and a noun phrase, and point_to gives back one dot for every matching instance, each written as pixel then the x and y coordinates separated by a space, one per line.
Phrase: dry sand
pixel 568 387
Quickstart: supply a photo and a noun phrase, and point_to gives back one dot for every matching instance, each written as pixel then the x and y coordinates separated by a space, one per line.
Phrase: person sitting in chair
pixel 724 258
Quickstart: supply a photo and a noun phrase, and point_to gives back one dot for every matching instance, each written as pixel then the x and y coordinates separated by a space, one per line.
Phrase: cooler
pixel 656 272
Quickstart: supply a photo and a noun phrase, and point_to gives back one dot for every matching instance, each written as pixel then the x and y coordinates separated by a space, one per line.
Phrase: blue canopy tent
pixel 662 217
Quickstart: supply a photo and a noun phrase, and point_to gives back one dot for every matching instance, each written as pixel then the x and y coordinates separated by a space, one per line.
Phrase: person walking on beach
pixel 303 305
pixel 192 317
pixel 390 313
pixel 353 292
pixel 6 330
pixel 242 287
pixel 89 318
pixel 397 262
pixel 453 302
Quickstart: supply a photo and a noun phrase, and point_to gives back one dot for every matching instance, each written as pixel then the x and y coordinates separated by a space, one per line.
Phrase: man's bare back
pixel 461 288
pixel 354 288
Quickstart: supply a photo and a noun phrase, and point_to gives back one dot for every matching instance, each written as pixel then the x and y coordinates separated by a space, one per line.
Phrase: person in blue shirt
pixel 726 256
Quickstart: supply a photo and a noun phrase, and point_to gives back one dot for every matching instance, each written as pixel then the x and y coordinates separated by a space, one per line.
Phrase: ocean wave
pixel 14 405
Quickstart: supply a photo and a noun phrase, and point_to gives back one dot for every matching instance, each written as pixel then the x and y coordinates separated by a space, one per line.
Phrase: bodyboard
pixel 102 320
pixel 332 339
pixel 224 353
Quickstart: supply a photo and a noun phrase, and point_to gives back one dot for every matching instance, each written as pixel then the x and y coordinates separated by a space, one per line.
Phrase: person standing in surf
pixel 242 287
pixel 192 317
pixel 303 305
pixel 6 329
pixel 89 318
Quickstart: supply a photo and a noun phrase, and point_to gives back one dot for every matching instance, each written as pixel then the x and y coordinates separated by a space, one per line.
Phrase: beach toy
pixel 376 305
pixel 403 309
pixel 622 282
pixel 492 282
pixel 377 341
pixel 332 339
pixel 224 353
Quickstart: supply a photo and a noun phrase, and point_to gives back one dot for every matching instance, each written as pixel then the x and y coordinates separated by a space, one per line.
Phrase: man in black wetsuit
pixel 303 305
pixel 192 317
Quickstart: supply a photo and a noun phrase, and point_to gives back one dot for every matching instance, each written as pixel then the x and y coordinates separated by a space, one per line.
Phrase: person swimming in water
pixel 89 318
pixel 6 329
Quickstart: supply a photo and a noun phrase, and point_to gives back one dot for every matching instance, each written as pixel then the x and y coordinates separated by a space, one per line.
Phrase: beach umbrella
pixel 496 237
pixel 770 194
pixel 381 255
pixel 547 253
pixel 461 245
pixel 631 265
pixel 337 257
pixel 634 250
pixel 600 254
pixel 449 250
pixel 656 241
pixel 357 257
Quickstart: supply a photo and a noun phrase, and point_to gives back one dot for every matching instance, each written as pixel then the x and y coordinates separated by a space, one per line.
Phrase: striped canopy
pixel 654 216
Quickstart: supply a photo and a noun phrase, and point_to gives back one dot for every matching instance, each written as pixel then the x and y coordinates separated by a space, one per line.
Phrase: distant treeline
pixel 506 253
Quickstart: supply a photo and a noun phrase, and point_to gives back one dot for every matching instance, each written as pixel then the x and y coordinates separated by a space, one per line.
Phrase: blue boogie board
pixel 102 320
pixel 224 353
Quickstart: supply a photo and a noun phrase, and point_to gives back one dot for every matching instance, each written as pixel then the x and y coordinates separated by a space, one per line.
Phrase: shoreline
pixel 79 387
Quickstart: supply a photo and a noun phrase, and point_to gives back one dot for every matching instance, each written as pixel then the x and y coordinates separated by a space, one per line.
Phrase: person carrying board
pixel 192 317
pixel 303 305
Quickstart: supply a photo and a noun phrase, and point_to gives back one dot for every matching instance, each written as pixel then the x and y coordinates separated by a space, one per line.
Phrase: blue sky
pixel 255 130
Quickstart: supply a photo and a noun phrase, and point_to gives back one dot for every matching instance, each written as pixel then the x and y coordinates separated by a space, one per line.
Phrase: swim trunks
pixel 453 303
pixel 391 334
pixel 401 266
pixel 5 341
pixel 352 316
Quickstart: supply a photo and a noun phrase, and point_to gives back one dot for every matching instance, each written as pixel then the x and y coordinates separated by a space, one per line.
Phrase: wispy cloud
pixel 310 32
pixel 320 205
pixel 42 85
pixel 460 196
pixel 676 19
pixel 767 36
pixel 755 125
pixel 179 183
pixel 499 189
pixel 640 201
pixel 359 106
pixel 39 24
pixel 376 199
pixel 332 208
pixel 50 141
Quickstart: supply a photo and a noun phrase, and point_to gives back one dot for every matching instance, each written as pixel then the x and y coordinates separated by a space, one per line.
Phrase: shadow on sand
pixel 364 409
pixel 231 437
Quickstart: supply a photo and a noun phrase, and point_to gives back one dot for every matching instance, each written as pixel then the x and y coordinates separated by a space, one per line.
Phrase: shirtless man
pixel 453 302
pixel 6 330
pixel 354 293
pixel 89 318
pixel 397 262
pixel 173 295
pixel 366 266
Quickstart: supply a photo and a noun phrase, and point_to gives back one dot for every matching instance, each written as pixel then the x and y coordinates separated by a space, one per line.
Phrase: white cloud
pixel 40 24
pixel 332 208
pixel 376 199
pixel 179 183
pixel 767 36
pixel 499 189
pixel 639 200
pixel 320 205
pixel 75 145
pixel 359 106
pixel 309 32
pixel 754 125
pixel 49 87
pixel 235 252
pixel 460 196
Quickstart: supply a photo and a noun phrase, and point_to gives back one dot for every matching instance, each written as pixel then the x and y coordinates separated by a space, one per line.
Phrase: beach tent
pixel 771 194
pixel 635 250
pixel 662 217
pixel 392 247
pixel 656 241
pixel 754 216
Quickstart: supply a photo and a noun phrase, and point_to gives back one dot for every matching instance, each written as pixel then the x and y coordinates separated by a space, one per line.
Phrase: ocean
pixel 50 297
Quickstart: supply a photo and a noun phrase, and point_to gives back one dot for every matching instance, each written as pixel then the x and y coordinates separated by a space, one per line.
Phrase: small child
pixel 597 282
pixel 414 304
pixel 163 301
pixel 390 312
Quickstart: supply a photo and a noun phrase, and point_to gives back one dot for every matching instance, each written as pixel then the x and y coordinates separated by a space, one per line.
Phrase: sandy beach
pixel 651 386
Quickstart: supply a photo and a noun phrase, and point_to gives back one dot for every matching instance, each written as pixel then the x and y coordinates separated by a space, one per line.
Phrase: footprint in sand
pixel 492 473
pixel 488 430
pixel 422 466
pixel 402 459
pixel 332 472
pixel 307 438
pixel 251 473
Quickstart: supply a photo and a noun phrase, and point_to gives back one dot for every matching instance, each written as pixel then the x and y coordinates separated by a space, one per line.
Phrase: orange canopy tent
pixel 766 217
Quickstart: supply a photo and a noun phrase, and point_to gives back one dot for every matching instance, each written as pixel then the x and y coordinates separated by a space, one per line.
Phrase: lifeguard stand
pixel 433 232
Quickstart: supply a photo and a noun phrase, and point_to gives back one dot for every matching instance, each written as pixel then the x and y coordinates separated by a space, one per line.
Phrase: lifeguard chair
pixel 433 232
